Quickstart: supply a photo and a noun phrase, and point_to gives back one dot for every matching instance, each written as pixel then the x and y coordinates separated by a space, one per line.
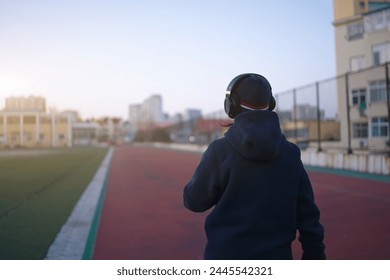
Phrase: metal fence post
pixel 388 100
pixel 348 113
pixel 318 117
pixel 295 115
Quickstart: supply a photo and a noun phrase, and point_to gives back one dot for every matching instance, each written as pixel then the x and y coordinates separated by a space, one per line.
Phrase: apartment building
pixel 25 123
pixel 150 111
pixel 362 40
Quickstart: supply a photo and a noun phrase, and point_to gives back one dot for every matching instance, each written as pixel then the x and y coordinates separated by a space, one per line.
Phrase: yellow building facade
pixel 24 123
pixel 33 130
pixel 302 131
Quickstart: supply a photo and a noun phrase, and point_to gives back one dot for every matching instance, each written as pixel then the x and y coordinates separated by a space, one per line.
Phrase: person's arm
pixel 203 190
pixel 308 215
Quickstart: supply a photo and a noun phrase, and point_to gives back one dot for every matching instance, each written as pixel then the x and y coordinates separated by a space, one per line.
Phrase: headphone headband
pixel 235 81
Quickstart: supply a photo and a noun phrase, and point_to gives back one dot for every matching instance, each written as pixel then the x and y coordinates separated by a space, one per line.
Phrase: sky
pixel 98 57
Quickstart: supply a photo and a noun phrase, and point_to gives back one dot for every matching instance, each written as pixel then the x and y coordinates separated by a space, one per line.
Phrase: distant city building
pixel 217 115
pixel 25 104
pixel 75 117
pixel 108 130
pixel 307 130
pixel 135 113
pixel 362 37
pixel 153 109
pixel 176 118
pixel 27 129
pixel 149 112
pixel 85 133
pixel 111 129
pixel 284 116
pixel 191 114
pixel 306 112
pixel 25 123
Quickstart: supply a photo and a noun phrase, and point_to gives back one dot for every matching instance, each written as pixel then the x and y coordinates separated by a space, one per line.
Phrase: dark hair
pixel 226 123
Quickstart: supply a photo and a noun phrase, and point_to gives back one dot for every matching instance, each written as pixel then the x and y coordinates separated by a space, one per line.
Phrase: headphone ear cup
pixel 227 105
pixel 272 104
pixel 231 106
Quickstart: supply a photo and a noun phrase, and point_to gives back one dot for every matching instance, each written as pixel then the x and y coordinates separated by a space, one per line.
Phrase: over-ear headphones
pixel 232 103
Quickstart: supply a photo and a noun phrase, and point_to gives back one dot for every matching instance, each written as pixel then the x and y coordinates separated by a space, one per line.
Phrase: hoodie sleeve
pixel 203 191
pixel 310 230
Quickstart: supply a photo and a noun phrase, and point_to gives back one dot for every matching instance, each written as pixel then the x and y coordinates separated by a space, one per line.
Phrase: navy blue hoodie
pixel 260 191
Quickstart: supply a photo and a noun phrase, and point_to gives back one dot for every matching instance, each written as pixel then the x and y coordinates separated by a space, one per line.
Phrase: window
pixel 15 136
pixel 45 120
pixel 28 136
pixel 357 63
pixel 355 30
pixel 376 58
pixel 29 120
pixel 13 120
pixel 377 21
pixel 379 126
pixel 360 130
pixel 380 53
pixel 378 91
pixel 62 120
pixel 387 17
pixel 359 97
pixel 362 5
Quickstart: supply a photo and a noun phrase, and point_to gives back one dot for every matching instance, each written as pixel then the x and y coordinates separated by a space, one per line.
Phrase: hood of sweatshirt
pixel 256 135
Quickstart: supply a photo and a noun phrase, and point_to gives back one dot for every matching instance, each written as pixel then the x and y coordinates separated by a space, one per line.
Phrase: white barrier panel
pixel 376 164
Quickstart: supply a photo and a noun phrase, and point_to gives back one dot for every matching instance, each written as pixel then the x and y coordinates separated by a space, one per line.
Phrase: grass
pixel 37 194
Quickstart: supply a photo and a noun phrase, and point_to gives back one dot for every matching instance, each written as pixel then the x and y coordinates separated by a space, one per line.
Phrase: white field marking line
pixel 70 241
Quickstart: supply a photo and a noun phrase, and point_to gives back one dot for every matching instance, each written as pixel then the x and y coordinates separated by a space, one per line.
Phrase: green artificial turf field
pixel 37 194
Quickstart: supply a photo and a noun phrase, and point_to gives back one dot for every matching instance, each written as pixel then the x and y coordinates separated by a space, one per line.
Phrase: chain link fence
pixel 349 112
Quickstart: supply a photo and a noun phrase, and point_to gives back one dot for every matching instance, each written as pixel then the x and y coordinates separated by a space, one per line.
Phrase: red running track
pixel 143 216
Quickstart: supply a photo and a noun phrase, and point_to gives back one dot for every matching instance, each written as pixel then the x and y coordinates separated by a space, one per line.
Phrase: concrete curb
pixel 71 240
pixel 181 147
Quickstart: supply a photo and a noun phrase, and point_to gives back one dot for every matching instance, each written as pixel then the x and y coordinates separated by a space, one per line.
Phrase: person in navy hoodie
pixel 256 182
